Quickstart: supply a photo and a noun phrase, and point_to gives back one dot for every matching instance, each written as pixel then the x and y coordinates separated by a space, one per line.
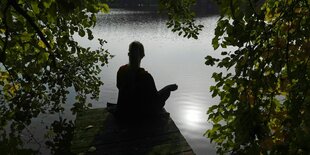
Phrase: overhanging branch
pixel 31 22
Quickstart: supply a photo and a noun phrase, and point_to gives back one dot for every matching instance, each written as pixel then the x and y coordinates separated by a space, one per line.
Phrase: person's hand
pixel 172 87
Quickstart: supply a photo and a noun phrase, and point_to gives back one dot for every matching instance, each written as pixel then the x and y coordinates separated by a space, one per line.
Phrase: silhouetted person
pixel 138 96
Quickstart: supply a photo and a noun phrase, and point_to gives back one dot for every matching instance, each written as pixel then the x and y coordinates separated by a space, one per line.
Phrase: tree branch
pixel 31 22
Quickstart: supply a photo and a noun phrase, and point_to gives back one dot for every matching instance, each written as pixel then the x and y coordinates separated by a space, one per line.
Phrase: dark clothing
pixel 137 93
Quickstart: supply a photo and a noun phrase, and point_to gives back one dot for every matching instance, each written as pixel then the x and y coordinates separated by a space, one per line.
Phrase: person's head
pixel 136 53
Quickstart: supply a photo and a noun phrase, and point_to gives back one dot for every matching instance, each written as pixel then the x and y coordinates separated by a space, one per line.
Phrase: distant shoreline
pixel 200 11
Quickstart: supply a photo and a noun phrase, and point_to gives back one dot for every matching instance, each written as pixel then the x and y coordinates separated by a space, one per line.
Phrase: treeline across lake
pixel 202 6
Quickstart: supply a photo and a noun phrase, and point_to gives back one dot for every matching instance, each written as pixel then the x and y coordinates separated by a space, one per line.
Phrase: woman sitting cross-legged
pixel 138 96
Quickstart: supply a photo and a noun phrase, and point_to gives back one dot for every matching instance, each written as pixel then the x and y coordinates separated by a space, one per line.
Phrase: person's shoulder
pixel 145 73
pixel 124 67
pixel 122 70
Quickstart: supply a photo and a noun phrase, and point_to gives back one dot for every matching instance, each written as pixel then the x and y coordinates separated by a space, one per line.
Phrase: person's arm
pixel 118 81
pixel 120 77
pixel 171 87
pixel 150 86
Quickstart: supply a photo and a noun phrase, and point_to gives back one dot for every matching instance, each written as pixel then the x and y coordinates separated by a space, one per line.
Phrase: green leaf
pixel 90 34
pixel 105 8
pixel 34 6
pixel 26 36
pixel 47 3
pixel 210 60
pixel 43 57
pixel 215 43
pixel 81 32
pixel 41 44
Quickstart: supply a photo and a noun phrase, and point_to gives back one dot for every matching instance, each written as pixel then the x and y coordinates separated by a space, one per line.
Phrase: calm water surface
pixel 170 59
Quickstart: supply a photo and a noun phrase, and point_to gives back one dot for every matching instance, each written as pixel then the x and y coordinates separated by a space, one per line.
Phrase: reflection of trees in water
pixel 57 139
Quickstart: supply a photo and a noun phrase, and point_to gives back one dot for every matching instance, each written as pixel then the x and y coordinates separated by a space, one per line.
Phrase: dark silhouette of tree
pixel 40 61
pixel 264 103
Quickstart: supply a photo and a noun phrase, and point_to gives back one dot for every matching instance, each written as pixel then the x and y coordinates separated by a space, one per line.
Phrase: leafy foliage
pixel 40 60
pixel 61 135
pixel 264 104
pixel 181 18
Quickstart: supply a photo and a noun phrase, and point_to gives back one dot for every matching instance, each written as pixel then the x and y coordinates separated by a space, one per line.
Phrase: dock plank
pixel 98 132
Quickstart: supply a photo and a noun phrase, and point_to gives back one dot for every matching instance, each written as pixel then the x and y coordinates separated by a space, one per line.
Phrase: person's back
pixel 137 91
pixel 138 95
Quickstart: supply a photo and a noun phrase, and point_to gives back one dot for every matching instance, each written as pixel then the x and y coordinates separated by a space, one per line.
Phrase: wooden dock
pixel 98 132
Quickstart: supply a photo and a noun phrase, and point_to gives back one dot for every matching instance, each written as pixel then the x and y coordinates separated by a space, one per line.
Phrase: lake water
pixel 170 59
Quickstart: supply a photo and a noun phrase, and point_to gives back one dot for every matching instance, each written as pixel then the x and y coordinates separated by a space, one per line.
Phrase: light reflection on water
pixel 170 59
